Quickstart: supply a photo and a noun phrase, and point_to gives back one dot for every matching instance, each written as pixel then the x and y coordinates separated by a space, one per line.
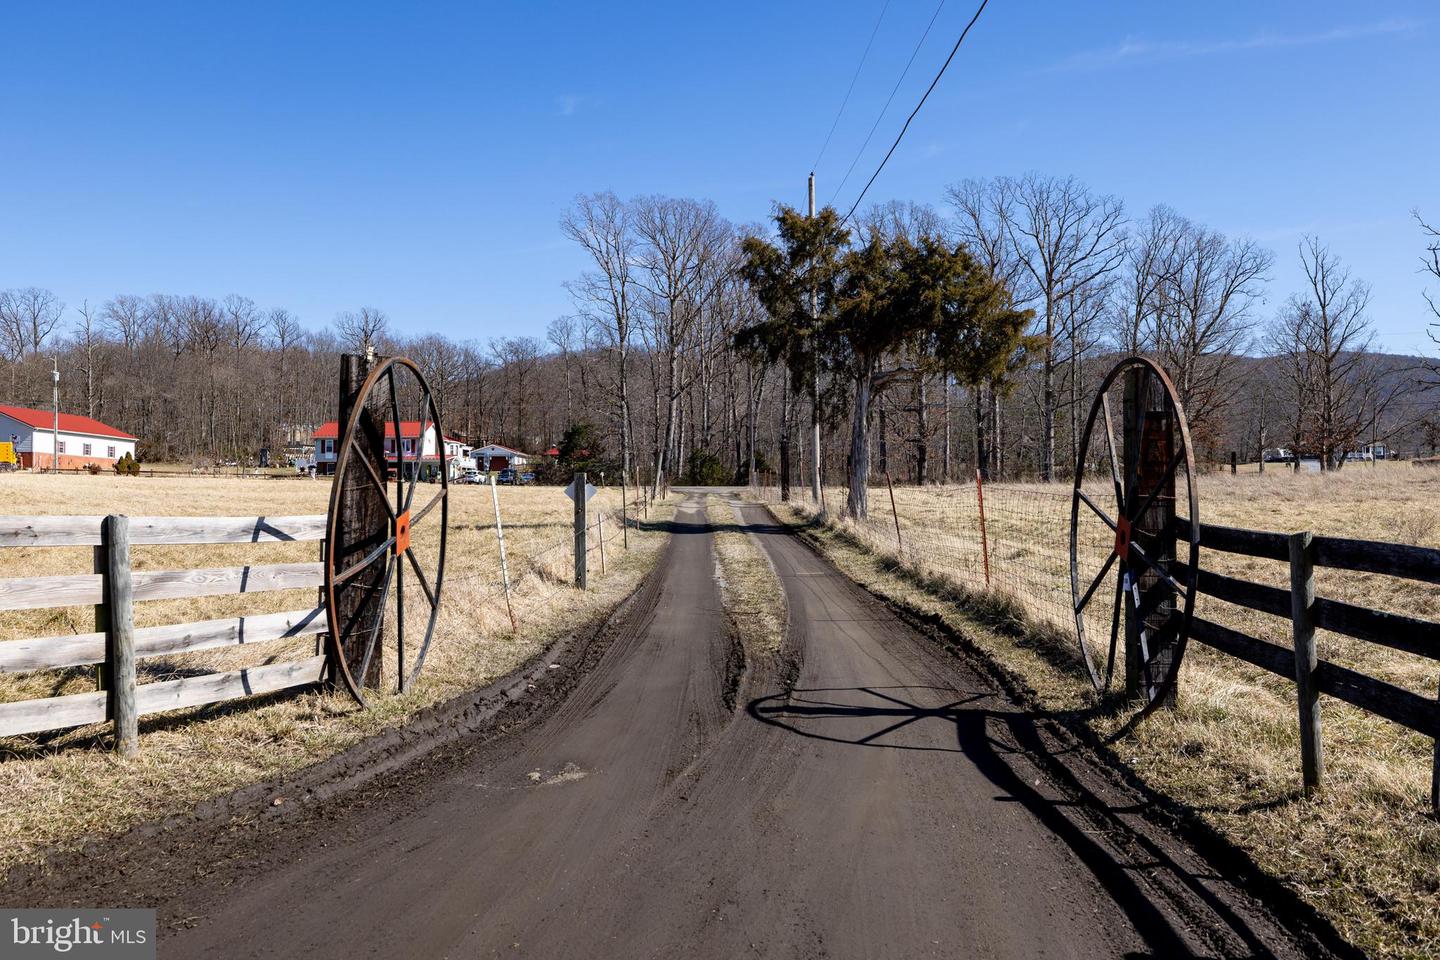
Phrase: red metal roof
pixel 69 423
pixel 330 430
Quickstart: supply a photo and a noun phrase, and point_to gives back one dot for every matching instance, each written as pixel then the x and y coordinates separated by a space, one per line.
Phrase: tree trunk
pixel 857 505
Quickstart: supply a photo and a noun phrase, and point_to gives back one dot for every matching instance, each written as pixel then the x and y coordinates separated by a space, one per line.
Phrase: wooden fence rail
pixel 116 644
pixel 1308 612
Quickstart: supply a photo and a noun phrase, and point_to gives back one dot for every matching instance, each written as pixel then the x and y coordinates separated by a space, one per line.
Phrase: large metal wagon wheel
pixel 378 629
pixel 1139 538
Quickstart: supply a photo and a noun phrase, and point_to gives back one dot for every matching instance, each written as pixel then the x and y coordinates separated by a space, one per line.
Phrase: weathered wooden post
pixel 120 635
pixel 1151 622
pixel 1302 619
pixel 580 530
pixel 984 540
pixel 624 512
pixel 1234 463
pixel 100 565
pixel 364 524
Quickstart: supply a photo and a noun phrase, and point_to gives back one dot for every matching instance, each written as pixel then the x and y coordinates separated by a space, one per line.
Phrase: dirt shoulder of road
pixel 1374 878
pixel 73 797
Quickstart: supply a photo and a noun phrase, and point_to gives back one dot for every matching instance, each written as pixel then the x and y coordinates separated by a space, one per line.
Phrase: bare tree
pixel 1325 341
pixel 90 346
pixel 1065 238
pixel 1431 265
pixel 600 223
pixel 28 317
pixel 361 327
pixel 1200 322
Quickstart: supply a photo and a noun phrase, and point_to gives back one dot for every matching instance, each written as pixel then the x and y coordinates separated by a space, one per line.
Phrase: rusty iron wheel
pixel 1171 591
pixel 408 537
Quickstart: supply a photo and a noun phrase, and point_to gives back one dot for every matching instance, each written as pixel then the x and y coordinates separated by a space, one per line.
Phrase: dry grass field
pixel 61 786
pixel 1366 852
pixel 754 599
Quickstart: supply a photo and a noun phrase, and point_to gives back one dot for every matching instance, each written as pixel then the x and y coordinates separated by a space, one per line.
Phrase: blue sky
pixel 417 156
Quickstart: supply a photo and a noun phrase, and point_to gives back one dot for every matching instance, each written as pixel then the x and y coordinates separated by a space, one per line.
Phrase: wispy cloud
pixel 1133 50
pixel 568 104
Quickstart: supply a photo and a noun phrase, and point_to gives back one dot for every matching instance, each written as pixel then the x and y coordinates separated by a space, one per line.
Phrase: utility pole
pixel 55 409
pixel 814 378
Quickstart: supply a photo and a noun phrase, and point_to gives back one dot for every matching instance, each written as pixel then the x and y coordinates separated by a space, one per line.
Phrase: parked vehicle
pixel 507 476
pixel 527 477
pixel 1279 455
pixel 8 460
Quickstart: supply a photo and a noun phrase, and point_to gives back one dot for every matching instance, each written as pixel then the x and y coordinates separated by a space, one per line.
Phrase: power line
pixel 956 49
pixel 860 66
pixel 881 115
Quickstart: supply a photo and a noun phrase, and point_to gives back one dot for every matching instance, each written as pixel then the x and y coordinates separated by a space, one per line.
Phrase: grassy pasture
pixel 1366 851
pixel 60 786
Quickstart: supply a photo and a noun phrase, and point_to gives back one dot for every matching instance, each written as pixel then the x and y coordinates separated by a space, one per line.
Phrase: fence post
pixel 1302 618
pixel 1234 460
pixel 624 512
pixel 120 637
pixel 580 531
pixel 504 567
pixel 600 532
pixel 984 541
pixel 900 544
pixel 99 565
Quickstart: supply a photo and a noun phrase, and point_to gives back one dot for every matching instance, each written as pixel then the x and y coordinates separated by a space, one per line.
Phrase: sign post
pixel 580 492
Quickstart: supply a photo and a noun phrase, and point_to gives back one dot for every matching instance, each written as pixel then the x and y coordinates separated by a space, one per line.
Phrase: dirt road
pixel 891 804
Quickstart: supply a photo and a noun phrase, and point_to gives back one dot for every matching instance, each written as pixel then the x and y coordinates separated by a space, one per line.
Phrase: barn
pixel 328 435
pixel 495 456
pixel 83 441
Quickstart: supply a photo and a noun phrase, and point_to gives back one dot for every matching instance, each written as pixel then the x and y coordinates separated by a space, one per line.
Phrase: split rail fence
pixel 1008 540
pixel 115 645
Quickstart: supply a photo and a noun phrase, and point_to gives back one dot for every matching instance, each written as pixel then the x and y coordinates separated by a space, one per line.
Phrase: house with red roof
pixel 327 437
pixel 82 441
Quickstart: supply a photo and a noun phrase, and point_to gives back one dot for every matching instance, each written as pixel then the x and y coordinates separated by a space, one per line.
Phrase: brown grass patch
pixel 749 586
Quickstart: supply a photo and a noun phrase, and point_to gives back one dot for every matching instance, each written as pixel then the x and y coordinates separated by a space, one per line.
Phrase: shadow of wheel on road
pixel 996 742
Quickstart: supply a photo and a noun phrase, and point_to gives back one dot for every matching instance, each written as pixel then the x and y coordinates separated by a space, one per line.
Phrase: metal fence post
pixel 899 543
pixel 504 567
pixel 1302 618
pixel 580 531
pixel 120 637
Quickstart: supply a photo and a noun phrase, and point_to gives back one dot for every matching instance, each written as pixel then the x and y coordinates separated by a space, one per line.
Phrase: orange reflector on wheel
pixel 1122 538
pixel 402 533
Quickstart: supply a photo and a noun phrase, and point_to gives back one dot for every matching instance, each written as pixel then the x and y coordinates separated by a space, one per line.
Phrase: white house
pixel 495 456
pixel 83 441
pixel 327 436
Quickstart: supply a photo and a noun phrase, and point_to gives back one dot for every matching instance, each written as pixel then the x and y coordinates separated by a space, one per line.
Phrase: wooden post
pixel 984 541
pixel 1234 461
pixel 580 531
pixel 624 513
pixel 120 638
pixel 900 544
pixel 1302 619
pixel 99 565
pixel 504 567
pixel 1149 445
pixel 364 524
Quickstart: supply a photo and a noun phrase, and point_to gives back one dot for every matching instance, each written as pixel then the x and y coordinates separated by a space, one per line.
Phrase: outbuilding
pixel 83 441
pixel 495 456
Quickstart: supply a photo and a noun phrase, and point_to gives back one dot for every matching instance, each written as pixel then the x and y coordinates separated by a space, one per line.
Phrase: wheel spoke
pixel 420 453
pixel 399 442
pixel 1110 446
pixel 359 565
pixel 374 477
pixel 416 517
pixel 1155 568
pixel 379 627
pixel 420 575
pixel 1098 512
pixel 1115 625
pixel 400 627
pixel 1099 578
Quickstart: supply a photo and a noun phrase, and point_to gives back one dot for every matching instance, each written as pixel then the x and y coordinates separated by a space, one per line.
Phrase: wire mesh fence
pixel 1011 540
